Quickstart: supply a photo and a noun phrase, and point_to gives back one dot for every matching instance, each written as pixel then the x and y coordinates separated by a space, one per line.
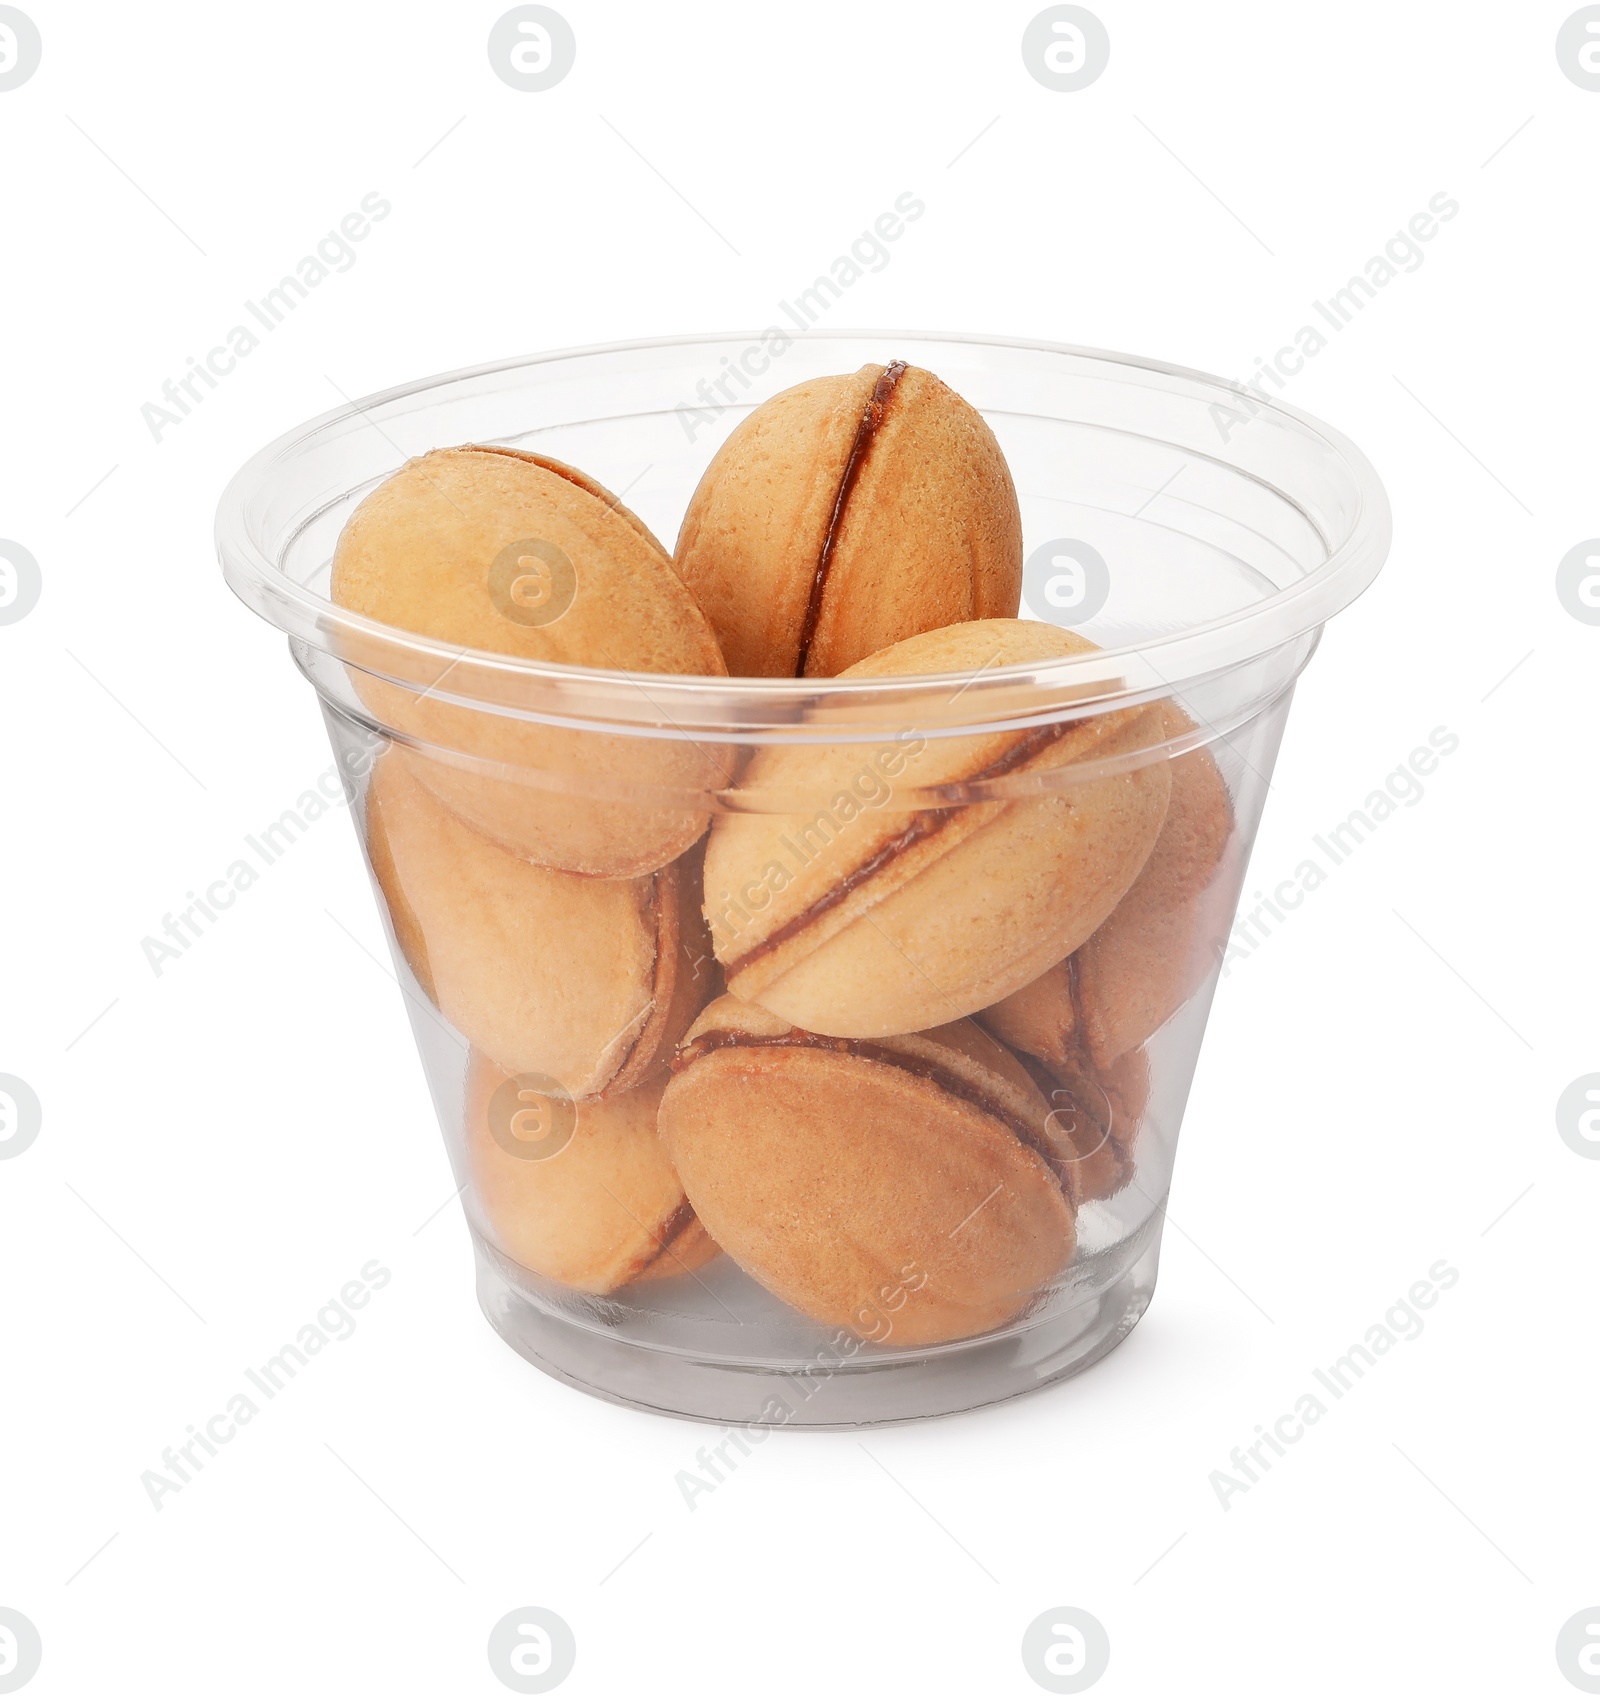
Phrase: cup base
pixel 843 1386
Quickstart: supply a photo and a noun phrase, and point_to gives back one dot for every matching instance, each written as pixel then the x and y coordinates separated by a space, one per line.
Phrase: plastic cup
pixel 1196 532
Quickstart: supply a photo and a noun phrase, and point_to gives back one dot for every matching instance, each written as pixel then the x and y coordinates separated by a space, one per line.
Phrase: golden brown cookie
pixel 1041 1018
pixel 909 1188
pixel 589 982
pixel 579 1191
pixel 498 550
pixel 846 514
pixel 1145 960
pixel 871 920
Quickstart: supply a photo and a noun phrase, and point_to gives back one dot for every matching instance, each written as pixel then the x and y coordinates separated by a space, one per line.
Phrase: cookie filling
pixel 1080 1086
pixel 923 825
pixel 1075 1001
pixel 946 1080
pixel 871 418
pixel 667 1236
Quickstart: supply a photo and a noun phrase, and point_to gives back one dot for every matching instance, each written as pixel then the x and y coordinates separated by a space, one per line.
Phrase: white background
pixel 1376 1093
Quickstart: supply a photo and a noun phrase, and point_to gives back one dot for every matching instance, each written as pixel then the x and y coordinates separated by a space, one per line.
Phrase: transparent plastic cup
pixel 1198 534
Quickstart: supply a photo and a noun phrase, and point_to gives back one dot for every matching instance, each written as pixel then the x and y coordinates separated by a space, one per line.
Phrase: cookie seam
pixel 924 825
pixel 660 985
pixel 946 1080
pixel 867 428
pixel 674 1227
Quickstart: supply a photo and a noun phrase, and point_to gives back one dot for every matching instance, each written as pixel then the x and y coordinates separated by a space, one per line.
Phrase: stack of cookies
pixel 881 1055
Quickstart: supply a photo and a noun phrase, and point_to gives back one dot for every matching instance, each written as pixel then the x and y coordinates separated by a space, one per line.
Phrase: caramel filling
pixel 871 418
pixel 1075 1002
pixel 666 1237
pixel 946 1080
pixel 922 825
pixel 1049 1083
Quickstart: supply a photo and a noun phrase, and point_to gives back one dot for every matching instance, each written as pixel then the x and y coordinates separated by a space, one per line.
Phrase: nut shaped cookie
pixel 588 982
pixel 909 1189
pixel 874 919
pixel 579 1191
pixel 1041 1018
pixel 499 550
pixel 1142 964
pixel 848 513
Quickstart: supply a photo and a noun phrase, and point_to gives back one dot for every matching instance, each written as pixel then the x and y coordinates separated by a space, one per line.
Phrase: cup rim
pixel 684 705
